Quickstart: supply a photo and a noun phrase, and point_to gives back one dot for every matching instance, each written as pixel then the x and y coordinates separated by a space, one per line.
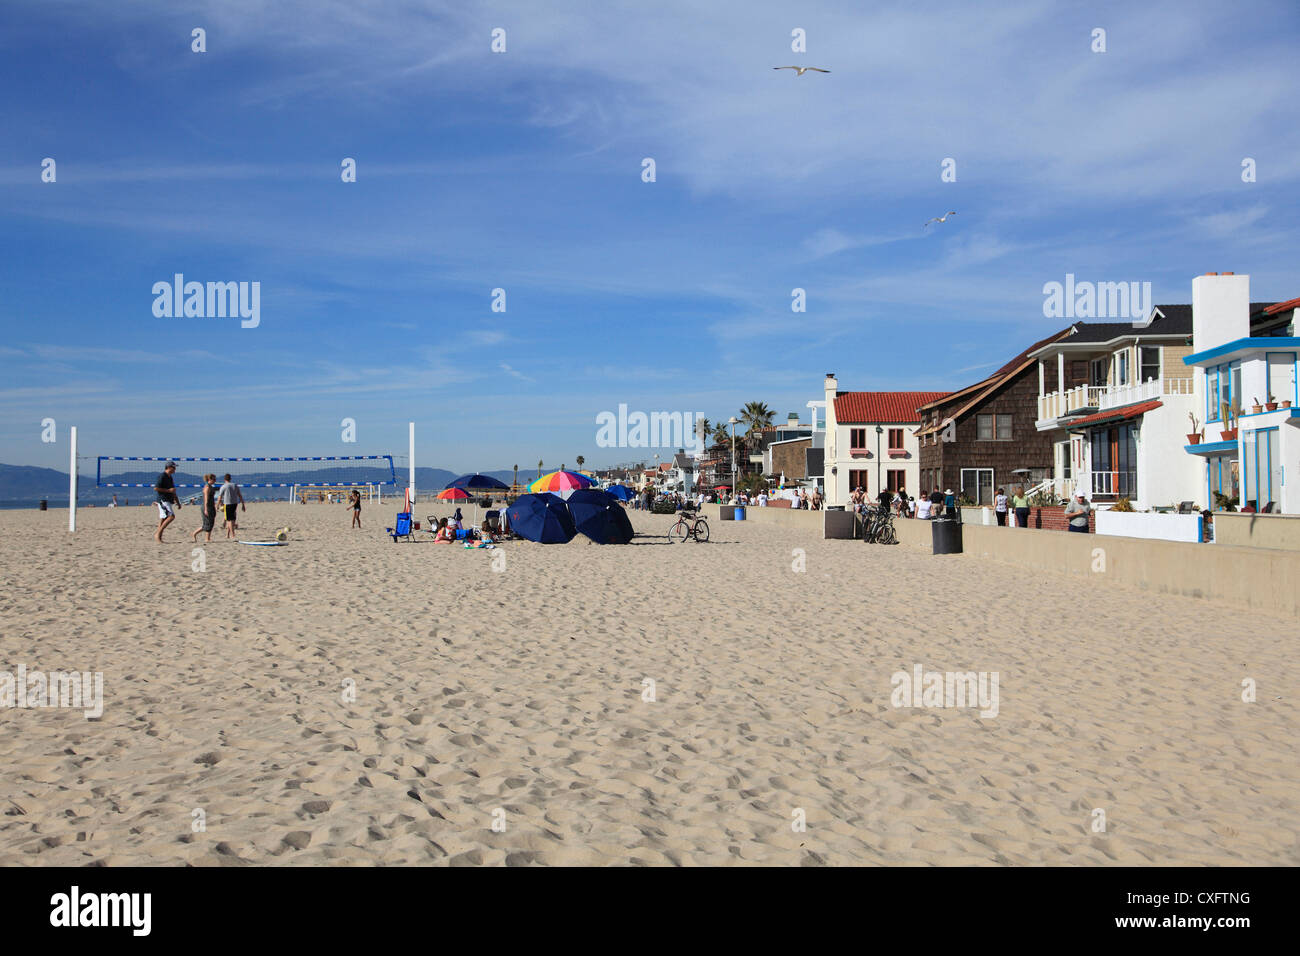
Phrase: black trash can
pixel 45 505
pixel 946 536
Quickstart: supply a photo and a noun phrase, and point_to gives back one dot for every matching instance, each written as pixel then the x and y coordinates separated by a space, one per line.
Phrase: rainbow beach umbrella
pixel 560 483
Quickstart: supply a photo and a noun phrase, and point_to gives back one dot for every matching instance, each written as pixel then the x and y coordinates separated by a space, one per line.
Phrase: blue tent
pixel 599 516
pixel 621 492
pixel 541 518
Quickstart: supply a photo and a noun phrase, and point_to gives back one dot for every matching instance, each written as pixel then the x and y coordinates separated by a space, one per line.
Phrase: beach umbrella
pixel 477 482
pixel 542 518
pixel 560 483
pixel 599 516
pixel 621 492
pixel 454 494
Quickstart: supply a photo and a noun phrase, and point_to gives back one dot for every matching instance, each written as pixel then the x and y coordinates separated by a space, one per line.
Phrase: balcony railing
pixel 1056 404
pixel 1121 484
pixel 1118 395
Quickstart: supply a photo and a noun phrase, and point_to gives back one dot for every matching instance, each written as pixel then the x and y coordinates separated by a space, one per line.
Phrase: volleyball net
pixel 319 471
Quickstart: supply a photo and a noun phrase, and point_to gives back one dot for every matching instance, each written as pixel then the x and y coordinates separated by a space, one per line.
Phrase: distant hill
pixel 28 483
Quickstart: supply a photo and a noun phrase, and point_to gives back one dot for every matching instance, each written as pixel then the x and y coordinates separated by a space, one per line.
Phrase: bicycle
pixel 878 526
pixel 688 526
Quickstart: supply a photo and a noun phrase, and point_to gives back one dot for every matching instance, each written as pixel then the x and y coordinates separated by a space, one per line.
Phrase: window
pixel 977 484
pixel 1098 372
pixel 857 440
pixel 896 479
pixel 1148 363
pixel 1262 474
pixel 1223 478
pixel 1222 384
pixel 858 479
pixel 1281 376
pixel 993 427
pixel 1121 368
pixel 896 439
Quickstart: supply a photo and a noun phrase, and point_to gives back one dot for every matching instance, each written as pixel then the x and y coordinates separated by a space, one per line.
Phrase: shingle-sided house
pixel 984 436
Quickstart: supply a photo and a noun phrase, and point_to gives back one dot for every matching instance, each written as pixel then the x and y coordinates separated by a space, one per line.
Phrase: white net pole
pixel 72 483
pixel 411 461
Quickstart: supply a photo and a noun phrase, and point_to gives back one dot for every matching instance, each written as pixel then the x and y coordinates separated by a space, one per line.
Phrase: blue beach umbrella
pixel 478 482
pixel 599 516
pixel 542 518
pixel 621 492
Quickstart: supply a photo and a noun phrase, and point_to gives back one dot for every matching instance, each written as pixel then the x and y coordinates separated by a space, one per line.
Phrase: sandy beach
pixel 516 697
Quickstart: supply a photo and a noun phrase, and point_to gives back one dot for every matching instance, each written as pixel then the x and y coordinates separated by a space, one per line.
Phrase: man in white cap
pixel 1078 512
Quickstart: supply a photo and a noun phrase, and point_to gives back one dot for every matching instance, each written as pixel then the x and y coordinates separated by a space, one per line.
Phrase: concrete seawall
pixel 1262 578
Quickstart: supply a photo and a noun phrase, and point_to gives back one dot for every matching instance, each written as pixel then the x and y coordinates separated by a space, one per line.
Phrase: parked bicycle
pixel 689 525
pixel 878 525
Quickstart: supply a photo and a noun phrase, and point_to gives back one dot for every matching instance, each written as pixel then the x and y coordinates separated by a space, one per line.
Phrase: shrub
pixel 1123 505
pixel 663 506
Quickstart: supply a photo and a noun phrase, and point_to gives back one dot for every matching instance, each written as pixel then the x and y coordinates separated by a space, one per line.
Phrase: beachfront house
pixel 984 436
pixel 1245 358
pixel 1113 401
pixel 871 441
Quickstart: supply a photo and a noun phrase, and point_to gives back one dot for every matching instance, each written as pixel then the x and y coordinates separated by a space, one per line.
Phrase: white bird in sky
pixel 938 219
pixel 801 70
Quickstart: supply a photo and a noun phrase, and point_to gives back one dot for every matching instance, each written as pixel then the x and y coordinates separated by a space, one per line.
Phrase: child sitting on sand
pixel 444 532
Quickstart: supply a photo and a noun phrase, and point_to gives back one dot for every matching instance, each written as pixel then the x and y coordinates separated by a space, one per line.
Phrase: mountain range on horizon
pixel 19 482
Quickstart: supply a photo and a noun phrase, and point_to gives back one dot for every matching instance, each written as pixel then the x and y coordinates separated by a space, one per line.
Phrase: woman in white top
pixel 923 507
pixel 1000 502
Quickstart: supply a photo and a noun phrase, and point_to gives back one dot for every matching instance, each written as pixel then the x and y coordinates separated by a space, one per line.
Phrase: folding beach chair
pixel 403 528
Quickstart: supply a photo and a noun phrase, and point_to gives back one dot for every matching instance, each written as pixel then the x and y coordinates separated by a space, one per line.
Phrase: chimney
pixel 792 418
pixel 1220 309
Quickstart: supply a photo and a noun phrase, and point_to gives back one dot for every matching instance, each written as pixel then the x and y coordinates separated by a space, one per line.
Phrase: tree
pixel 756 416
pixel 581 461
pixel 539 468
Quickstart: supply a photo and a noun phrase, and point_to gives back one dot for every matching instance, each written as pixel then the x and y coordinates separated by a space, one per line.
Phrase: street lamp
pixel 879 486
pixel 733 421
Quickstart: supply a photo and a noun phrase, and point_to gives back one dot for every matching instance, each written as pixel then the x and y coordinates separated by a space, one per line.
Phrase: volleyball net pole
pixel 410 486
pixel 72 483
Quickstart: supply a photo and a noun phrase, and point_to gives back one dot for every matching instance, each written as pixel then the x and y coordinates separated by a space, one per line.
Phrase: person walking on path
pixel 1078 512
pixel 207 508
pixel 1021 504
pixel 1000 504
pixel 230 498
pixel 168 504
pixel 354 499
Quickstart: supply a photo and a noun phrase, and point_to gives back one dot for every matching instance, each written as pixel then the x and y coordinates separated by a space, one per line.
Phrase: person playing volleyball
pixel 168 504
pixel 354 499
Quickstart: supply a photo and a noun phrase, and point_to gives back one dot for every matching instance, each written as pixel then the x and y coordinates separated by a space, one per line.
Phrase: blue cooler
pixel 740 513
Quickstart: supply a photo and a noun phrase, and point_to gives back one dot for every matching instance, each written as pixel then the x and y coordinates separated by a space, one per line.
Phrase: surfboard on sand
pixel 266 544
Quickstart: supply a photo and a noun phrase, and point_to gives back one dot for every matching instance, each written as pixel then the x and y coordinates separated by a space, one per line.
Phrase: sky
pixel 523 171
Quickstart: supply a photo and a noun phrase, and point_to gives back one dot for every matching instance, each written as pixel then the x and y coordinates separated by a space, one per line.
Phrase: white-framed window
pixel 1098 372
pixel 1148 363
pixel 1121 367
pixel 977 483
pixel 1281 382
pixel 993 427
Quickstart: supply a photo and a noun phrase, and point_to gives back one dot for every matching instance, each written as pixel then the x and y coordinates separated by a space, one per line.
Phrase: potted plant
pixel 1286 403
pixel 1256 408
pixel 1229 431
pixel 1194 437
pixel 1271 404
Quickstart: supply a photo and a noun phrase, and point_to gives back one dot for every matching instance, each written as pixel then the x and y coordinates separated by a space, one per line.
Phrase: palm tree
pixel 702 428
pixel 720 434
pixel 756 416
pixel 516 481
pixel 539 468
pixel 580 460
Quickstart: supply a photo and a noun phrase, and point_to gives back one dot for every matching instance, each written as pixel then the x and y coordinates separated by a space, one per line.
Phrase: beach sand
pixel 515 696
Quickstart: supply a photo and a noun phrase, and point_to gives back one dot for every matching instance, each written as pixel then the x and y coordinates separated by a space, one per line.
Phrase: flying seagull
pixel 801 70
pixel 938 219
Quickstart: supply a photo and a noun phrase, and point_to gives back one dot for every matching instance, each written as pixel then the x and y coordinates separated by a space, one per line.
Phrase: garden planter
pixel 1193 439
pixel 1256 409
pixel 1286 404
pixel 1229 434
pixel 1271 406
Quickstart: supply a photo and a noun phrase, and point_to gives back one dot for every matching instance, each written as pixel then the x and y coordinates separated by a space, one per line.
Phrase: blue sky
pixel 522 171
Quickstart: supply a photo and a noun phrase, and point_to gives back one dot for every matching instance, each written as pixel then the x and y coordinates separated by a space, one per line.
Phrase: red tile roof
pixel 1282 306
pixel 899 407
pixel 1113 414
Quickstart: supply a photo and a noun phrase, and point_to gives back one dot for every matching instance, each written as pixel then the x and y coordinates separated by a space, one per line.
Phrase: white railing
pixel 1056 404
pixel 1118 395
pixel 1121 483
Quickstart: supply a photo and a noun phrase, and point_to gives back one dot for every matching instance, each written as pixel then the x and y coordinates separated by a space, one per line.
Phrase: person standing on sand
pixel 168 505
pixel 1000 505
pixel 354 499
pixel 207 507
pixel 230 497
